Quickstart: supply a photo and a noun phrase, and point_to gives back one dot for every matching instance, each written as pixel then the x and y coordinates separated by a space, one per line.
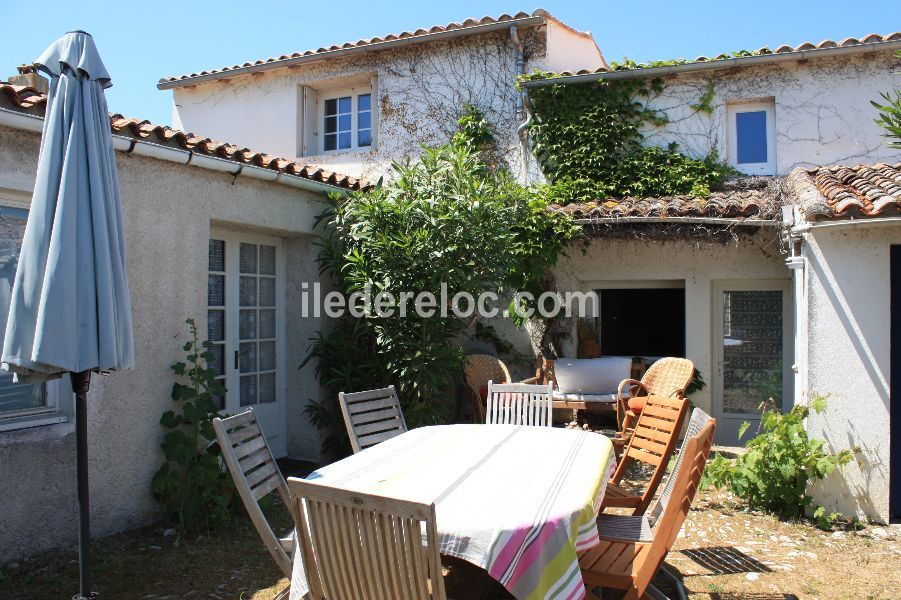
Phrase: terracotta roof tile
pixel 873 38
pixel 758 204
pixel 471 22
pixel 857 191
pixel 29 100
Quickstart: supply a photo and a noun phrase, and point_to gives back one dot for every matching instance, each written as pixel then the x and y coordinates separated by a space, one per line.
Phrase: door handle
pixel 237 358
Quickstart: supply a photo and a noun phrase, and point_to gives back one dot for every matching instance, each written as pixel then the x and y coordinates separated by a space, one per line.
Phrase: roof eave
pixel 717 64
pixel 165 84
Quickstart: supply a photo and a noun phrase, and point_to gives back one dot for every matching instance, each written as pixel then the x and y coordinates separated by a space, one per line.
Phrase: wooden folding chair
pixel 357 545
pixel 372 417
pixel 519 404
pixel 256 475
pixel 631 565
pixel 652 443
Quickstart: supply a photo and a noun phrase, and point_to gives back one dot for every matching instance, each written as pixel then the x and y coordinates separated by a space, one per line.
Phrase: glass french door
pixel 245 325
pixel 752 354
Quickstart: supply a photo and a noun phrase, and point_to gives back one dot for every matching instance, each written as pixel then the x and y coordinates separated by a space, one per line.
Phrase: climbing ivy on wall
pixel 588 140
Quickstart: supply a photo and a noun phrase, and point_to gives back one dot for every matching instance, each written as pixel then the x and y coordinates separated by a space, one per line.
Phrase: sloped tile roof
pixel 31 101
pixel 850 42
pixel 849 191
pixel 470 23
pixel 740 205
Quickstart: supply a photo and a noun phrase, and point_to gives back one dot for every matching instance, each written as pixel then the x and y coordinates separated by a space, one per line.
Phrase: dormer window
pixel 347 121
pixel 752 137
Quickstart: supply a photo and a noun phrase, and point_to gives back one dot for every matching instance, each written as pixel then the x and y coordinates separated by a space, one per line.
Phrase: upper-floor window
pixel 21 404
pixel 346 121
pixel 752 137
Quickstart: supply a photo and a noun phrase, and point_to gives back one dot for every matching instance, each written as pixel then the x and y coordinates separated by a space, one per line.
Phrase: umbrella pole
pixel 81 382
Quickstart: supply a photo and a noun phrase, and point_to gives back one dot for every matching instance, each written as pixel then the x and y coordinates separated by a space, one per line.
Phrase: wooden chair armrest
pixel 677 394
pixel 630 382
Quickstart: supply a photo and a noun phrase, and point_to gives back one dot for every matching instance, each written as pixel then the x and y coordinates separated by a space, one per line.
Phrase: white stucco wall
pixel 698 263
pixel 822 109
pixel 168 210
pixel 848 357
pixel 420 93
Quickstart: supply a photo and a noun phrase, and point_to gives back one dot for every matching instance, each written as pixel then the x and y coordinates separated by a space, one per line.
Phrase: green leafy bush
pixel 447 219
pixel 780 462
pixel 192 485
pixel 890 117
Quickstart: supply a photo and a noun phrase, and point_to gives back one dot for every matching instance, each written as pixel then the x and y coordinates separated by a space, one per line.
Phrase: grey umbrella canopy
pixel 70 310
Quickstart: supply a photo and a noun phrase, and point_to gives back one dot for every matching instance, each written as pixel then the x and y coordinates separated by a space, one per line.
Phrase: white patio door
pixel 245 320
pixel 752 337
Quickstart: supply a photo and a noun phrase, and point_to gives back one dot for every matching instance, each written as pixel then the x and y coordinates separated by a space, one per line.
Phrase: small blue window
pixel 750 128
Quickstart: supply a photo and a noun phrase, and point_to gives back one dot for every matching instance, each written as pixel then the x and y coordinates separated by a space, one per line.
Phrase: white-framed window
pixel 752 136
pixel 346 121
pixel 21 404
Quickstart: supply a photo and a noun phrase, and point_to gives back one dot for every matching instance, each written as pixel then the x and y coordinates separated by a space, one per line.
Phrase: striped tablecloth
pixel 517 501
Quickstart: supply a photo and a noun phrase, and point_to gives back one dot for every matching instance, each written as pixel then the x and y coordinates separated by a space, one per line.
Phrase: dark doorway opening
pixel 895 387
pixel 643 322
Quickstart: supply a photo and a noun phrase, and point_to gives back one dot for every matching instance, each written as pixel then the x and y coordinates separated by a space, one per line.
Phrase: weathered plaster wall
pixel 168 210
pixel 697 263
pixel 848 357
pixel 823 111
pixel 421 91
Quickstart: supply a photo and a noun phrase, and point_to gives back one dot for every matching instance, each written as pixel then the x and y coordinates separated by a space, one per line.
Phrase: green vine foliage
pixel 450 218
pixel 588 140
pixel 780 462
pixel 193 486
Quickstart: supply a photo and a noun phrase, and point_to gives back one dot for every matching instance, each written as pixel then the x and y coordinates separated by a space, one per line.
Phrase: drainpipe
pixel 522 109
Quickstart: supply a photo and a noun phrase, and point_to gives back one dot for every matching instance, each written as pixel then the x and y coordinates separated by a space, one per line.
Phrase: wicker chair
pixel 668 378
pixel 480 369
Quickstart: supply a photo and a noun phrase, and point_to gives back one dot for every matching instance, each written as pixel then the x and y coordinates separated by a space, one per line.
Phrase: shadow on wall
pixel 835 492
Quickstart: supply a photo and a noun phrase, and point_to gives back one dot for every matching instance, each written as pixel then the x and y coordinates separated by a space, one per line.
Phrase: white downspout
pixel 522 112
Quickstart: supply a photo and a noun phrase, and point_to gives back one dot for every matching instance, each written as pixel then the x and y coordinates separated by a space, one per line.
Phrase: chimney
pixel 29 77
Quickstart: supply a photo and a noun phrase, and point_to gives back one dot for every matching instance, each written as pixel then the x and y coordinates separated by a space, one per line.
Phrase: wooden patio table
pixel 517 501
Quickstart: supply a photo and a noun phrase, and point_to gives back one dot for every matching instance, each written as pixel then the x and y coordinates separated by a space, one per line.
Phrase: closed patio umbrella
pixel 70 310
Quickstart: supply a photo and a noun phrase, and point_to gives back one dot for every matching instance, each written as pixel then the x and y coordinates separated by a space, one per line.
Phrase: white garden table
pixel 519 502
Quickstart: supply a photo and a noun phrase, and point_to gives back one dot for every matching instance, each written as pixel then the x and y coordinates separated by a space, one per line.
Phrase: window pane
pixel 331 106
pixel 331 124
pixel 344 140
pixel 218 363
pixel 215 294
pixel 215 325
pixel 364 102
pixel 248 390
pixel 267 387
pixel 13 396
pixel 267 291
pixel 248 291
pixel 344 105
pixel 344 123
pixel 331 142
pixel 750 131
pixel 247 325
pixel 365 137
pixel 248 258
pixel 217 255
pixel 267 356
pixel 364 121
pixel 267 323
pixel 267 260
pixel 247 361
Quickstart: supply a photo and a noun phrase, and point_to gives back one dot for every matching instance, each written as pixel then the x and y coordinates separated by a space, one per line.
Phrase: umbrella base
pixel 93 596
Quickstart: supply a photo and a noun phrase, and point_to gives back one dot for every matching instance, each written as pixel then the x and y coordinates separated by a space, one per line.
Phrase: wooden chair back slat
pixel 519 404
pixel 688 478
pixel 255 473
pixel 653 442
pixel 372 416
pixel 359 545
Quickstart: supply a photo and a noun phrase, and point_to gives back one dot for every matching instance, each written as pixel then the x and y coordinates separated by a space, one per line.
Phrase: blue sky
pixel 141 41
